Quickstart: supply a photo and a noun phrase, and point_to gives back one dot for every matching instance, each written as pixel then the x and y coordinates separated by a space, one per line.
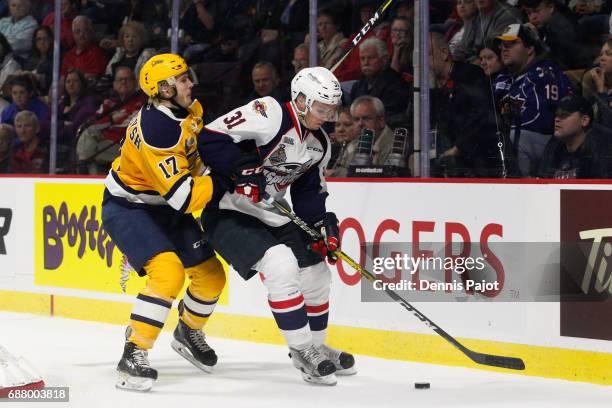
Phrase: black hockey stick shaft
pixel 479 358
pixel 362 33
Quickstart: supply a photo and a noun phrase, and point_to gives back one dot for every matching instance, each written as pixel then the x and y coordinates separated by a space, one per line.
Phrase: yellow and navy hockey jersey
pixel 159 162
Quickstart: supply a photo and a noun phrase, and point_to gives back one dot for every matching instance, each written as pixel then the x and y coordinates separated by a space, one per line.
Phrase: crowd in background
pixel 519 88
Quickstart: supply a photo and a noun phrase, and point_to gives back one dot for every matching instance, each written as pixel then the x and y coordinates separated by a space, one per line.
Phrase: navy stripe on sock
pixel 155 300
pixel 202 302
pixel 196 313
pixel 146 320
pixel 293 320
pixel 318 323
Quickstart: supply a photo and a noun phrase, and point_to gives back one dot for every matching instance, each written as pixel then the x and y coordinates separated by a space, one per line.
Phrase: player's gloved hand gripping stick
pixel 479 358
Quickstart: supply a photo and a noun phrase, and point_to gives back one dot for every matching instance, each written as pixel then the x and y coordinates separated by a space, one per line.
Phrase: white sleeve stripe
pixel 181 194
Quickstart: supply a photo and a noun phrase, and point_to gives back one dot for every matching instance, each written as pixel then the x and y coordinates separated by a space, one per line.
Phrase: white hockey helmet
pixel 317 84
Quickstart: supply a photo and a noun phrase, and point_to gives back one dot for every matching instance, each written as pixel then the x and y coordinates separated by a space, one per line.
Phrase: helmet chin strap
pixel 301 115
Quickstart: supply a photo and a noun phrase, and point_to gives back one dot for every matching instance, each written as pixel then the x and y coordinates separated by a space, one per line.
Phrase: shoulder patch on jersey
pixel 158 129
pixel 260 107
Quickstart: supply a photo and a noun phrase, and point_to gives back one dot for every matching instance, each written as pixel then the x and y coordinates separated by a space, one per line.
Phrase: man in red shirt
pixel 98 145
pixel 85 55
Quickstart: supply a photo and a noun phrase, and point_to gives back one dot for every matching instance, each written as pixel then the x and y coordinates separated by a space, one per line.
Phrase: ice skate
pixel 315 367
pixel 344 362
pixel 191 344
pixel 135 372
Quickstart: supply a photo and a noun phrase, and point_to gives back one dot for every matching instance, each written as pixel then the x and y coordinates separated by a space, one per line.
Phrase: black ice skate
pixel 344 362
pixel 315 367
pixel 135 373
pixel 191 344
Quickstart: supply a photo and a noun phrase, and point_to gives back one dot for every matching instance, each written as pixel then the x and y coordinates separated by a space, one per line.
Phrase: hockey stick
pixel 362 33
pixel 512 363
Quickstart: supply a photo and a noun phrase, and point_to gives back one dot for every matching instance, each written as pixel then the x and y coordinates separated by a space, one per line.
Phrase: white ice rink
pixel 83 356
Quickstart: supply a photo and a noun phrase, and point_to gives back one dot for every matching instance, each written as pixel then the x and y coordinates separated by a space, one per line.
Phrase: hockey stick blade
pixel 512 363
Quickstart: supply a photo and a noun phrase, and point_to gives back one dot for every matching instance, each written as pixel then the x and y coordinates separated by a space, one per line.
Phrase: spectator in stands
pixel 198 21
pixel 68 14
pixel 345 137
pixel 75 108
pixel 40 63
pixel 381 81
pixel 19 27
pixel 578 151
pixel 463 112
pixel 401 45
pixel 266 83
pixel 6 146
pixel 489 58
pixel 332 41
pixel 98 145
pixel 301 58
pixel 350 69
pixel 491 20
pixel 597 86
pixel 85 55
pixel 557 32
pixel 8 65
pixel 24 98
pixel 131 51
pixel 368 112
pixel 466 11
pixel 531 89
pixel 32 153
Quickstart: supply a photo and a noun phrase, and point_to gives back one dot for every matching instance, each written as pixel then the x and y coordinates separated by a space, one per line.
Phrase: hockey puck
pixel 421 385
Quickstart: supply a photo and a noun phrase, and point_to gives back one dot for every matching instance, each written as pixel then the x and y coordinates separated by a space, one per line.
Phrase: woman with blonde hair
pixel 131 51
pixel 597 85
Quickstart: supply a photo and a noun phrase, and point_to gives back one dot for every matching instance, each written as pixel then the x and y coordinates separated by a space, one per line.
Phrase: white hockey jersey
pixel 292 155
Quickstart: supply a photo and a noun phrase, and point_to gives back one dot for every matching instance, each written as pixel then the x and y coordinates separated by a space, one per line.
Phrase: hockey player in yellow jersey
pixel 151 191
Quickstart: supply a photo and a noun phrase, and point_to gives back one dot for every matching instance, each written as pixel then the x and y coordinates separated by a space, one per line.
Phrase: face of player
pixel 489 62
pixel 514 55
pixel 540 15
pixel 183 90
pixel 605 59
pixel 319 114
pixel 569 124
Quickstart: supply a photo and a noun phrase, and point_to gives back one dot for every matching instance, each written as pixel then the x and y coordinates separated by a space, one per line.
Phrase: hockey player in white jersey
pixel 267 146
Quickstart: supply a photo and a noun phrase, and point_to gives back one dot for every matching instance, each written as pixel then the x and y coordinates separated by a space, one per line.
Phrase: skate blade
pixel 131 383
pixel 186 354
pixel 324 380
pixel 346 371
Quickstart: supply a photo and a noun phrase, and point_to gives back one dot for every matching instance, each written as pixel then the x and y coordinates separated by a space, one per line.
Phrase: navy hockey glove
pixel 249 178
pixel 330 230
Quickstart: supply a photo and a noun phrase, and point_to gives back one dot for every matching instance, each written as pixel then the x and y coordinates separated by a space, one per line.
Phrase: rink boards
pixel 56 259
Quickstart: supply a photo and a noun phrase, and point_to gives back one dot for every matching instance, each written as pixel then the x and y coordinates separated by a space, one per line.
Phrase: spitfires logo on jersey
pixel 281 175
pixel 260 108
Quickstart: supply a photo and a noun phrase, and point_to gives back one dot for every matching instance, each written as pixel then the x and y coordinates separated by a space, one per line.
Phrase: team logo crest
pixel 260 108
pixel 279 156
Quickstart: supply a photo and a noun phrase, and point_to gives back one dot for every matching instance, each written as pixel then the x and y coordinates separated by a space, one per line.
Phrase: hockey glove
pixel 330 231
pixel 249 178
